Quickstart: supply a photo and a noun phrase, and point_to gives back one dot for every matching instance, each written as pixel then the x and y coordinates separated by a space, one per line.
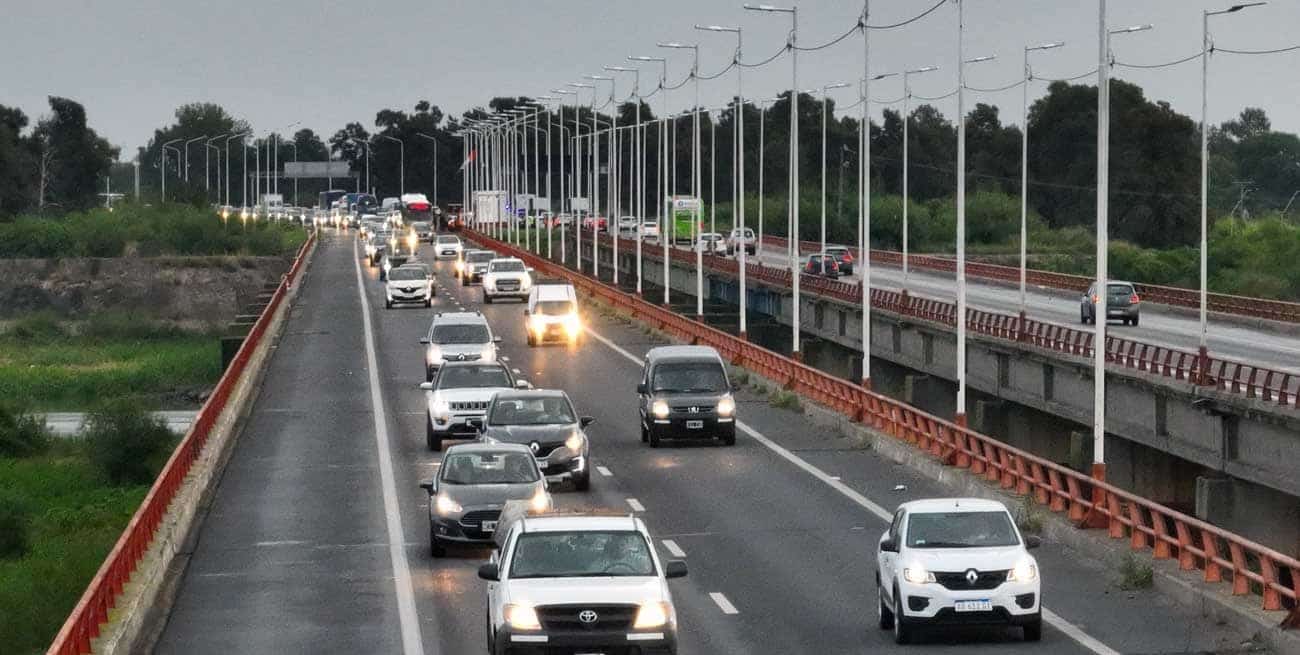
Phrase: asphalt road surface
pixel 317 538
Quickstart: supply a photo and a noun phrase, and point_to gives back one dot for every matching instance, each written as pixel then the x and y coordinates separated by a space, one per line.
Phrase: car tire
pixel 464 280
pixel 653 438
pixel 729 438
pixel 436 548
pixel 1034 629
pixel 428 302
pixel 583 483
pixel 1135 321
pixel 487 300
pixel 388 304
pixel 884 615
pixel 903 633
pixel 431 438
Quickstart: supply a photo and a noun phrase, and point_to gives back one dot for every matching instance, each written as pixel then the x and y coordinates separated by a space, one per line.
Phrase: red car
pixel 823 265
pixel 602 224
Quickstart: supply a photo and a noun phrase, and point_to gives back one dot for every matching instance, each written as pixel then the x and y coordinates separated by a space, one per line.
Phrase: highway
pixel 317 536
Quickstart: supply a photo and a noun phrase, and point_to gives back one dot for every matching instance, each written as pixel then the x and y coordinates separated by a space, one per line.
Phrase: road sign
pixel 316 169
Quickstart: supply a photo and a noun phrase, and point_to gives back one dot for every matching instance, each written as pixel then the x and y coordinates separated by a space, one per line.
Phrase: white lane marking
pixel 723 604
pixel 673 548
pixel 1074 632
pixel 604 471
pixel 412 640
pixel 635 505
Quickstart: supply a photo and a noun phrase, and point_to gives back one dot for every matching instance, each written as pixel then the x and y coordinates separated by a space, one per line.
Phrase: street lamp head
pixel 923 69
pixel 717 28
pixel 564 92
pixel 1132 28
pixel 769 8
pixel 674 44
pixel 620 69
pixel 882 76
pixel 837 85
pixel 598 77
pixel 1045 46
pixel 645 58
pixel 1236 8
pixel 580 85
pixel 979 59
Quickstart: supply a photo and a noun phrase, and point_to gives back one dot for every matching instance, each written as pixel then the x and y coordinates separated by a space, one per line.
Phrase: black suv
pixel 684 392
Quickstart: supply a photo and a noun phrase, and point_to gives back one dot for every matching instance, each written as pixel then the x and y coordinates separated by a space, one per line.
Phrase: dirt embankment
pixel 192 291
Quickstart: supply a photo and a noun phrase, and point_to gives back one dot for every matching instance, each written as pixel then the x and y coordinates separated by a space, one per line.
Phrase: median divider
pixel 1222 557
pixel 159 525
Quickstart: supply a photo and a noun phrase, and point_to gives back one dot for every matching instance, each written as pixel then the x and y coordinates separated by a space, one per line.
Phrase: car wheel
pixel 487 300
pixel 583 483
pixel 883 614
pixel 729 438
pixel 1135 321
pixel 436 549
pixel 1034 630
pixel 431 438
pixel 902 633
pixel 654 438
pixel 428 302
pixel 388 304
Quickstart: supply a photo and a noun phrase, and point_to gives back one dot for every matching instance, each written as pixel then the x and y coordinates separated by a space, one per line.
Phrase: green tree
pixel 74 159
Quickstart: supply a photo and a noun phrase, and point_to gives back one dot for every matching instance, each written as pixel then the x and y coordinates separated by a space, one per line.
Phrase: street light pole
pixel 697 181
pixel 826 110
pixel 638 165
pixel 1024 168
pixel 662 165
pixel 401 162
pixel 738 168
pixel 162 168
pixel 187 153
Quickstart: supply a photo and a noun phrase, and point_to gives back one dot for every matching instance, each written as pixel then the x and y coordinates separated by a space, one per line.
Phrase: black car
pixel 473 485
pixel 823 265
pixel 843 258
pixel 684 392
pixel 545 421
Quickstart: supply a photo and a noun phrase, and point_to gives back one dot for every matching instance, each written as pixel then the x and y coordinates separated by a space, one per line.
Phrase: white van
pixel 552 314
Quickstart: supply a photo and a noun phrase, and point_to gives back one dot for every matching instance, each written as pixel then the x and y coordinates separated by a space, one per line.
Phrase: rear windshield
pixel 459 333
pixel 690 377
pixel 420 226
pixel 1119 289
pixel 836 251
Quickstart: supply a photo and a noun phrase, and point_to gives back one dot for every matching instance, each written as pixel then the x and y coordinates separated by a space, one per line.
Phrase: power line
pixel 1164 65
pixel 1001 88
pixel 1256 52
pixel 832 42
pixel 911 20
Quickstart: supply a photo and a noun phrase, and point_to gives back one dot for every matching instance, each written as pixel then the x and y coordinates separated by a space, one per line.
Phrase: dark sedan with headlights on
pixel 543 420
pixel 473 485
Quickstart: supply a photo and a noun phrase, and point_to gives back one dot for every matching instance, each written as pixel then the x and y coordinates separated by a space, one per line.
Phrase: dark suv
pixel 684 392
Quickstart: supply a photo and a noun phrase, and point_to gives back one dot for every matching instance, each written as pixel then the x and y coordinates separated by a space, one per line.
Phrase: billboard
pixel 685 211
pixel 316 169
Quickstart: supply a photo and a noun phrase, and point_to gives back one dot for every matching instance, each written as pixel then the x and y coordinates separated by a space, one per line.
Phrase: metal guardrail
pixel 1274 310
pixel 1250 567
pixel 91 612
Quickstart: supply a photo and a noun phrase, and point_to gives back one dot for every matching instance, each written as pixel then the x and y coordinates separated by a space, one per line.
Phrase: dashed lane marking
pixel 723 604
pixel 635 505
pixel 604 471
pixel 672 547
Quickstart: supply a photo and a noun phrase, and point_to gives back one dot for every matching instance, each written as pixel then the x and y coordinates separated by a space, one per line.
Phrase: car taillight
pixel 848 256
pixel 834 266
pixel 1133 299
pixel 1094 298
pixel 418 206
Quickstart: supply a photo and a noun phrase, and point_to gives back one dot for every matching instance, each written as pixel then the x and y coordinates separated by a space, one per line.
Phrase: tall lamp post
pixel 595 173
pixel 1024 168
pixel 662 163
pixel 826 110
pixel 401 162
pixel 434 141
pixel 591 205
pixel 638 163
pixel 564 252
pixel 697 176
pixel 738 165
pixel 162 167
pixel 791 43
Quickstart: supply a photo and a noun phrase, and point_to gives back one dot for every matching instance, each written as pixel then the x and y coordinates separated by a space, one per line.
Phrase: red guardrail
pixel 1089 503
pixel 83 624
pixel 1276 310
pixel 1270 385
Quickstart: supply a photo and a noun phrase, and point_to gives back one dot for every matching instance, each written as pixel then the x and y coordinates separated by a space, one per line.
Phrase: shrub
pixel 120 325
pixel 128 445
pixel 15 524
pixel 786 400
pixel 21 434
pixel 1135 573
pixel 1030 516
pixel 40 326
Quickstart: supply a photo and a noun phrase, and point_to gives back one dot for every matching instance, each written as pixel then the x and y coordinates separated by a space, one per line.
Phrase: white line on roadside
pixel 635 505
pixel 723 604
pixel 1074 632
pixel 673 548
pixel 604 471
pixel 412 640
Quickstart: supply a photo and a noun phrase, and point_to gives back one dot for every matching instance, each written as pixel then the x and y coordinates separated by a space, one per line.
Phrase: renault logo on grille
pixel 534 446
pixel 695 410
pixel 972 576
pixel 588 616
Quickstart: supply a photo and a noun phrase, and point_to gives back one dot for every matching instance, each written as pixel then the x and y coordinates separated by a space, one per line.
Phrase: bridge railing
pixel 91 611
pixel 1222 556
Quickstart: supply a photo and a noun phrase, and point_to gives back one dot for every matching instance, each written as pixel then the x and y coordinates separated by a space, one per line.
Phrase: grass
pixel 1030 516
pixel 75 520
pixel 1135 573
pixel 782 399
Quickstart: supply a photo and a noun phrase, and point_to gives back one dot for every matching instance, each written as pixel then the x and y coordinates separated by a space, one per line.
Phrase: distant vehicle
pixel 475 266
pixel 402 246
pixel 650 230
pixel 843 258
pixel 552 314
pixel 564 220
pixel 956 561
pixel 580 584
pixel 823 265
pixel 460 393
pixel 446 245
pixel 415 207
pixel 473 484
pixel 1122 302
pixel 506 278
pixel 684 391
pixel 326 199
pixel 738 239
pixel 390 204
pixel 545 421
pixel 408 284
pixel 711 243
pixel 423 231
pixel 459 337
pixel 627 225
pixel 601 223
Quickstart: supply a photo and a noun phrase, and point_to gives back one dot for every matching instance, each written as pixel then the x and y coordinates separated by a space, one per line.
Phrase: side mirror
pixel 640 387
pixel 674 568
pixel 426 386
pixel 475 424
pixel 530 269
pixel 523 384
pixel 489 572
pixel 889 546
pixel 586 420
pixel 424 340
pixel 430 486
pixel 496 339
pixel 527 313
pixel 1032 542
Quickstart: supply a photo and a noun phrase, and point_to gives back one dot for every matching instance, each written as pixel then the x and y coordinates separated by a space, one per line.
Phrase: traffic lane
pixel 292 553
pixel 754 528
pixel 704 629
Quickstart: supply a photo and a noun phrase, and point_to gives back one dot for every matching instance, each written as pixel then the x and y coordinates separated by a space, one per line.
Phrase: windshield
pixel 459 334
pixel 447 239
pixel 489 468
pixel 544 410
pixel 405 274
pixel 420 227
pixel 581 555
pixel 960 530
pixel 507 267
pixel 702 377
pixel 481 257
pixel 473 377
pixel 836 252
pixel 554 307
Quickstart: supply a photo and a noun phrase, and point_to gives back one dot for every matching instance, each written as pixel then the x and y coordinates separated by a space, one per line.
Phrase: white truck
pixel 272 205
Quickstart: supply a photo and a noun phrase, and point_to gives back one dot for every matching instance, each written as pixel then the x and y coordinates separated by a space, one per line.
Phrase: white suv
pixel 956 561
pixel 506 277
pixel 458 337
pixel 579 584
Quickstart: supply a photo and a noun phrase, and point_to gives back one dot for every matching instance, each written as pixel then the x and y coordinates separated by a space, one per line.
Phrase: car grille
pixel 469 406
pixel 476 518
pixel 957 580
pixel 692 409
pixel 508 285
pixel 463 357
pixel 565 617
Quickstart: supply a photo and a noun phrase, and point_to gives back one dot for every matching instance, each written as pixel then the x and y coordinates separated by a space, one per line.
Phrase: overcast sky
pixel 327 62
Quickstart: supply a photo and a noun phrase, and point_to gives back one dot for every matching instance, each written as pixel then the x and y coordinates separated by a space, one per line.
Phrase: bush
pixel 120 325
pixel 21 434
pixel 15 524
pixel 1135 574
pixel 128 445
pixel 40 326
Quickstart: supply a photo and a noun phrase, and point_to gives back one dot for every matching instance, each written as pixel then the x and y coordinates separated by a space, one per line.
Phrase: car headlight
pixel 440 409
pixel 535 323
pixel 652 614
pixel 1024 571
pixel 660 409
pixel 575 441
pixel 522 617
pixel 446 506
pixel 540 502
pixel 572 324
pixel 460 266
pixel 489 352
pixel 726 406
pixel 916 574
pixel 435 353
pixel 525 282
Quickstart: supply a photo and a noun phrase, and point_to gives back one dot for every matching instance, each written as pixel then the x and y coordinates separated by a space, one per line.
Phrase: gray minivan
pixel 684 392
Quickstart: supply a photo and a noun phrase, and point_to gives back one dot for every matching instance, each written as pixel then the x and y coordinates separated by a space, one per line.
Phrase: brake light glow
pixel 1133 299
pixel 848 256
pixel 418 206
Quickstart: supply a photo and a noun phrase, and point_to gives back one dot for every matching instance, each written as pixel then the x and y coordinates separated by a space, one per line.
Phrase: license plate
pixel 489 526
pixel 973 606
pixel 695 425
